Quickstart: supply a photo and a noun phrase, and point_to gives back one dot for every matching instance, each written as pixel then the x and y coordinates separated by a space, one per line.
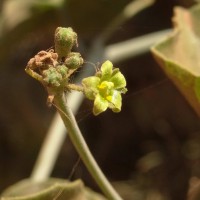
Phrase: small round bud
pixel 55 76
pixel 74 60
pixel 65 39
pixel 52 77
pixel 62 69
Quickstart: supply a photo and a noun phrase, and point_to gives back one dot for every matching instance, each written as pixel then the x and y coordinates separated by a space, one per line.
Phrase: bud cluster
pixel 55 66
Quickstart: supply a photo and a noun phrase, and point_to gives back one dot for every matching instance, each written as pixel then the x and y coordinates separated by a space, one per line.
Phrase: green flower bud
pixel 55 76
pixel 52 77
pixel 62 69
pixel 65 39
pixel 74 60
pixel 105 88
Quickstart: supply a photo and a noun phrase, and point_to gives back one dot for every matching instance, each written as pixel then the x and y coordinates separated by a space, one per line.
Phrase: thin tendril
pixel 95 66
pixel 74 168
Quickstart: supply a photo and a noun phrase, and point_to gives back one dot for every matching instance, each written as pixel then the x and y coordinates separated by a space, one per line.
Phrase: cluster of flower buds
pixel 54 67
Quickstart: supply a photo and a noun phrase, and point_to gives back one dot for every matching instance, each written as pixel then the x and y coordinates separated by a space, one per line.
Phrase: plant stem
pixel 43 168
pixel 34 74
pixel 78 88
pixel 82 148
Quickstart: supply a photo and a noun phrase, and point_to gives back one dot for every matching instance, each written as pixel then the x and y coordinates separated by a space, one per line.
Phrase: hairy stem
pixel 34 74
pixel 78 88
pixel 82 148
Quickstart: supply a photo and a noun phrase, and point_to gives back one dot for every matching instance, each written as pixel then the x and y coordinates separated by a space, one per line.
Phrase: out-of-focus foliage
pixel 50 189
pixel 15 12
pixel 179 54
pixel 153 143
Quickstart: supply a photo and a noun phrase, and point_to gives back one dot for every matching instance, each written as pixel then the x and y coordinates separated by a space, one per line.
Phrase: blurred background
pixel 149 151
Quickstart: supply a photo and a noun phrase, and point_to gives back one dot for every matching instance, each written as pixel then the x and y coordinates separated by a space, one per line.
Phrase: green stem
pixel 78 88
pixel 34 74
pixel 82 148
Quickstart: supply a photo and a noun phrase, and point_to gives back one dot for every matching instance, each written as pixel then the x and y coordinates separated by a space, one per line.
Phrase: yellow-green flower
pixel 105 88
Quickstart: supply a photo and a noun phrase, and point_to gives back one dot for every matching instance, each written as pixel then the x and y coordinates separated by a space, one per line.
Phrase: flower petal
pixel 106 69
pixel 90 85
pixel 119 80
pixel 100 105
pixel 115 101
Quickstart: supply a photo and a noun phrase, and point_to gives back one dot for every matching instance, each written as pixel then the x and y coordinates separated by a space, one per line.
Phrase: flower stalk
pixel 75 87
pixel 53 69
pixel 82 148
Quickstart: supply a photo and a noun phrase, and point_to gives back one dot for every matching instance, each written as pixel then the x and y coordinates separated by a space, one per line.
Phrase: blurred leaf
pixel 50 189
pixel 47 4
pixel 12 17
pixel 179 54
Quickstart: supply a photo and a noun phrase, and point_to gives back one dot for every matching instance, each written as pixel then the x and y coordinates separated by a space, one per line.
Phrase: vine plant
pixel 53 68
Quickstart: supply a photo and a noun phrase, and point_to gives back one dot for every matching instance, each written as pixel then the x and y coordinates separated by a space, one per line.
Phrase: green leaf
pixel 50 189
pixel 179 54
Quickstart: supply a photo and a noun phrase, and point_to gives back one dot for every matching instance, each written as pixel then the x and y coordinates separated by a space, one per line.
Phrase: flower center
pixel 106 89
